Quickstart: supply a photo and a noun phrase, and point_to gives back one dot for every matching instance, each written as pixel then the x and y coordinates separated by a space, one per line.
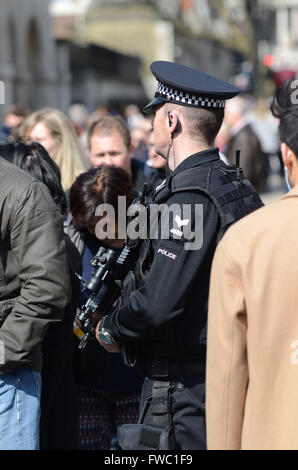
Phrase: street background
pixel 96 54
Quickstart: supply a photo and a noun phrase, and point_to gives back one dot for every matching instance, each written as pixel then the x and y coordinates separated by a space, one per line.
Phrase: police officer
pixel 166 317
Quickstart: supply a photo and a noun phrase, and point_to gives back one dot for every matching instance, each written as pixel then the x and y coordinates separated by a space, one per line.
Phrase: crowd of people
pixel 185 312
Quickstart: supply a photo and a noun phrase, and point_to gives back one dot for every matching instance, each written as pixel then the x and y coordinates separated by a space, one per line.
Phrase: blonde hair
pixel 70 158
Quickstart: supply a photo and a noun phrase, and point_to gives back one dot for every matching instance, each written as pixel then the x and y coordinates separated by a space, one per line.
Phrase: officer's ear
pixel 174 122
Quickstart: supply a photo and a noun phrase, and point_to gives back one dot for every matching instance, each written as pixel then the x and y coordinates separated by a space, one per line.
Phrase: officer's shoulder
pixel 191 196
pixel 197 201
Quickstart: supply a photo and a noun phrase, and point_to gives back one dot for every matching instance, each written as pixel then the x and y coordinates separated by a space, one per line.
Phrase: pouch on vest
pixel 156 436
pixel 145 437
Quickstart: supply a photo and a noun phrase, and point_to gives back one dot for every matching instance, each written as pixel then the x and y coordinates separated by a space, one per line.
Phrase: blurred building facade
pixel 273 40
pixel 202 34
pixel 54 52
pixel 281 30
pixel 28 63
pixel 101 75
pixel 280 42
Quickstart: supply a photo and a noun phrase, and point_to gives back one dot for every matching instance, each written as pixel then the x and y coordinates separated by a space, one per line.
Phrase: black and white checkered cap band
pixel 183 97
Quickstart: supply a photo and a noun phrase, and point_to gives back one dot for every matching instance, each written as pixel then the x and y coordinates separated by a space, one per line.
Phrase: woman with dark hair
pixel 97 186
pixel 109 391
pixel 59 413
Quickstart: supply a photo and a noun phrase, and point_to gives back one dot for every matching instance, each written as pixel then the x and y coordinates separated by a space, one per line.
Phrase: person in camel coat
pixel 252 345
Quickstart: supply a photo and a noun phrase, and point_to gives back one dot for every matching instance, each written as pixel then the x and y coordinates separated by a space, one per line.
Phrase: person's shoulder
pixel 254 226
pixel 264 215
pixel 247 132
pixel 138 165
pixel 12 175
pixel 195 202
pixel 191 196
pixel 144 167
pixel 142 173
pixel 23 189
pixel 13 180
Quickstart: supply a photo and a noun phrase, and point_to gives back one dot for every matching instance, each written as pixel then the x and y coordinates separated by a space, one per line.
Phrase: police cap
pixel 188 87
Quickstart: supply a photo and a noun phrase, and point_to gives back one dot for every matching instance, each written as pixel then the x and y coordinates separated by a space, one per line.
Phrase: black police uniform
pixel 166 317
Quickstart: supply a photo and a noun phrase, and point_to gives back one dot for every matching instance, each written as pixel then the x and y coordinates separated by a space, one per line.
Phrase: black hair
pixel 32 158
pixel 285 108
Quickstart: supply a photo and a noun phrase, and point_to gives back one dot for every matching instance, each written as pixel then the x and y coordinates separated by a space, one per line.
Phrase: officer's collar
pixel 197 159
pixel 164 189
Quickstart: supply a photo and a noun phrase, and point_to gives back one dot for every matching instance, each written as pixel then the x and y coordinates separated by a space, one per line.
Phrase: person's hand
pixel 112 348
pixel 97 317
pixel 77 321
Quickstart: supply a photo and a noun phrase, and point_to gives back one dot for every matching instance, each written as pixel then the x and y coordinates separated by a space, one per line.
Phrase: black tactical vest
pixel 233 196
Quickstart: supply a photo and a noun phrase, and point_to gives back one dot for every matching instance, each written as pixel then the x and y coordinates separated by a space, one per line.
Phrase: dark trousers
pixel 187 398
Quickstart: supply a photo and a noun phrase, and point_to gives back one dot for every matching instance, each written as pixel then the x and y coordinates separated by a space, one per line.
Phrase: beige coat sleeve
pixel 227 370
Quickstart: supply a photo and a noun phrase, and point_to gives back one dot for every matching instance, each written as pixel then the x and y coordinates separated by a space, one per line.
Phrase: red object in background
pixel 283 76
pixel 185 4
pixel 268 60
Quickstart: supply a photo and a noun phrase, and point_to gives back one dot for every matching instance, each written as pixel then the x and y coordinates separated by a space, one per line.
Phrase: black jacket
pixel 167 316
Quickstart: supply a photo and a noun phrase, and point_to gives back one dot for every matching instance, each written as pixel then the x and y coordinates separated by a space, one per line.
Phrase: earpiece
pixel 170 120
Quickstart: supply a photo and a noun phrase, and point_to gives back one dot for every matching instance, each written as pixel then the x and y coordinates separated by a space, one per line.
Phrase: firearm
pixel 106 280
